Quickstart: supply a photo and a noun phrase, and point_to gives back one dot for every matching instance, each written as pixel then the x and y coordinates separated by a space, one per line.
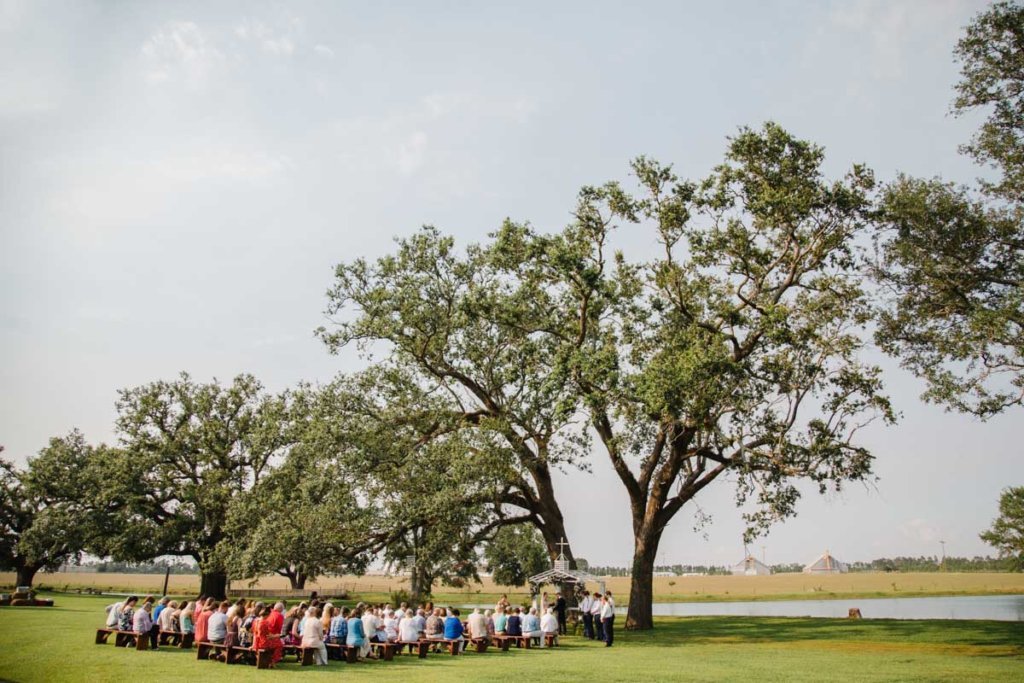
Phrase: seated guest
pixel 408 630
pixel 370 625
pixel 477 624
pixel 453 627
pixel 391 627
pixel 490 623
pixel 167 616
pixel 267 634
pixel 421 620
pixel 186 621
pixel 434 626
pixel 338 632
pixel 289 633
pixel 159 609
pixel 113 614
pixel 381 634
pixel 234 624
pixel 500 622
pixel 143 624
pixel 313 636
pixel 326 614
pixel 356 632
pixel 514 627
pixel 126 617
pixel 202 619
pixel 217 624
pixel 549 624
pixel 531 625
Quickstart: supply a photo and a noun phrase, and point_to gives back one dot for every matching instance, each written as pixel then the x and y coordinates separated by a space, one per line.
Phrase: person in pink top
pixel 202 619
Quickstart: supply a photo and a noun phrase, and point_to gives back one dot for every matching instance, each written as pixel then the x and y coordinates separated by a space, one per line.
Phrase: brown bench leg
pixel 101 636
pixel 351 654
pixel 423 646
pixel 307 656
pixel 141 641
pixel 504 644
pixel 186 641
pixel 264 658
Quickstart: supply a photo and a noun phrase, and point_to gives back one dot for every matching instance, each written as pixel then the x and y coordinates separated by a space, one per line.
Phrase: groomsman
pixel 595 613
pixel 588 618
pixel 608 618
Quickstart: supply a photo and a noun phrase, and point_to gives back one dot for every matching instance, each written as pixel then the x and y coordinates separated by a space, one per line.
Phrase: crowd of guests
pixel 314 625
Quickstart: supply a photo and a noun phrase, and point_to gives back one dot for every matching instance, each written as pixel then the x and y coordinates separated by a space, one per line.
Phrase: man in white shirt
pixel 113 614
pixel 549 624
pixel 477 624
pixel 588 618
pixel 595 613
pixel 608 618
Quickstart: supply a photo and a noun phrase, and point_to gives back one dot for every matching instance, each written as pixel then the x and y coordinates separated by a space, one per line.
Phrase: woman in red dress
pixel 265 637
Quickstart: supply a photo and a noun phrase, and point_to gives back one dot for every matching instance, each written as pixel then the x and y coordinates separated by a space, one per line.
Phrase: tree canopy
pixel 1007 531
pixel 951 258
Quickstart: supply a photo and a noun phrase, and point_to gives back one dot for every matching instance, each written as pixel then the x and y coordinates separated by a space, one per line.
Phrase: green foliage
pixel 951 264
pixel 1007 532
pixel 45 520
pixel 190 450
pixel 515 554
pixel 991 56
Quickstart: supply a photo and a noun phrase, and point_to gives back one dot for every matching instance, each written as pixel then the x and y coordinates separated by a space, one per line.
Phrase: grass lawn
pixel 39 644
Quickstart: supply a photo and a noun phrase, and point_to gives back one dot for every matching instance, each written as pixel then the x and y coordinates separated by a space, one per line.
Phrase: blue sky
pixel 177 181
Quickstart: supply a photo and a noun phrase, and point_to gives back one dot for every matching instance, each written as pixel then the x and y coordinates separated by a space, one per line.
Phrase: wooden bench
pixel 521 641
pixel 238 654
pixel 385 651
pixel 176 639
pixel 551 640
pixel 419 646
pixel 124 638
pixel 479 644
pixel 207 650
pixel 502 641
pixel 350 653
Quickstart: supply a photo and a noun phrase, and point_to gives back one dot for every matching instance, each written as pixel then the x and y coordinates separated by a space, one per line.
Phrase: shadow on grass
pixel 1005 636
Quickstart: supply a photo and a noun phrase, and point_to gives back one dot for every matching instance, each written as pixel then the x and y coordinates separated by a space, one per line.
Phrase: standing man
pixel 608 618
pixel 560 606
pixel 588 618
pixel 595 612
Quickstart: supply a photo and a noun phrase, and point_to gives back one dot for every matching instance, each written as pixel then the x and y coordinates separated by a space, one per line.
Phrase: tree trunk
pixel 420 585
pixel 300 581
pixel 641 585
pixel 25 575
pixel 214 584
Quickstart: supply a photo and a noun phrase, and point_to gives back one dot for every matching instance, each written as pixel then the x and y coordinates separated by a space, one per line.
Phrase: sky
pixel 178 181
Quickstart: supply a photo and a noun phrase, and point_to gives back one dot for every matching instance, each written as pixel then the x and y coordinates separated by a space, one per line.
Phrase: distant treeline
pixel 157 567
pixel 933 564
pixel 884 564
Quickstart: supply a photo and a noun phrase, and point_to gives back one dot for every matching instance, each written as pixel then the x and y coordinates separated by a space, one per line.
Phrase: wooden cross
pixel 561 548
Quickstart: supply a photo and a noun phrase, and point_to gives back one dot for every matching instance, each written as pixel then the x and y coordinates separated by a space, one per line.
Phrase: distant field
pixel 56 644
pixel 678 589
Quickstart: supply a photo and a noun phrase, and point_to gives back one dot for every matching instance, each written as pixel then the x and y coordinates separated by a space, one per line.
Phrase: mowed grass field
pixel 56 644
pixel 666 589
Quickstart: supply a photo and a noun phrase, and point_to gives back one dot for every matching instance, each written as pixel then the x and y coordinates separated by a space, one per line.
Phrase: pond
pixel 994 607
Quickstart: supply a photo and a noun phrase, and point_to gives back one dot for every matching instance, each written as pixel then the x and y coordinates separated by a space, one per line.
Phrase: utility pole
pixel 942 565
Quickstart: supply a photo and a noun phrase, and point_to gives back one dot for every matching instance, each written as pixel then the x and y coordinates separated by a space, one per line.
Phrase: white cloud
pixel 181 51
pixel 411 153
pixel 920 530
pixel 324 51
pixel 280 43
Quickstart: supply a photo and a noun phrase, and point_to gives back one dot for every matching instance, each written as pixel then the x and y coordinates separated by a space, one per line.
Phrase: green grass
pixel 39 644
